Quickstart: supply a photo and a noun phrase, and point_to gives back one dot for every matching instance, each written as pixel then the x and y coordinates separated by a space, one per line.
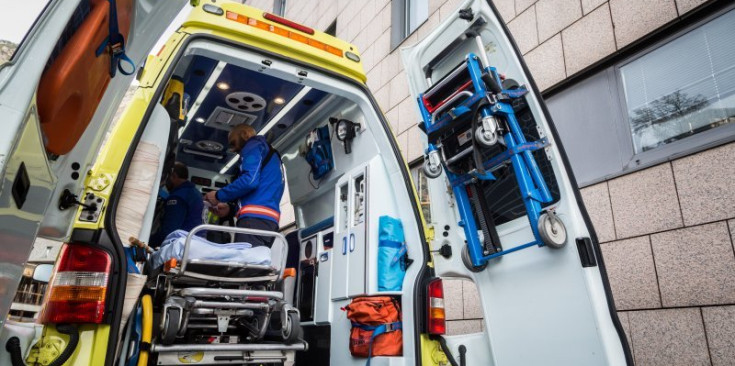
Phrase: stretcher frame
pixel 226 353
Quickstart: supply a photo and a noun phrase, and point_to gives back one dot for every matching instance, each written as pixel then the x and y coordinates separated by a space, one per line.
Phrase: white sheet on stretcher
pixel 200 248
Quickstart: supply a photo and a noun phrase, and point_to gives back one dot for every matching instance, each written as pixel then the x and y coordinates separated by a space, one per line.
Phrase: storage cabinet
pixel 323 310
pixel 351 223
pixel 315 278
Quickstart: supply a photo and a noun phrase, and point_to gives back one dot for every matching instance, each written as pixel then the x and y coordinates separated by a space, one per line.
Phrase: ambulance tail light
pixel 78 287
pixel 437 318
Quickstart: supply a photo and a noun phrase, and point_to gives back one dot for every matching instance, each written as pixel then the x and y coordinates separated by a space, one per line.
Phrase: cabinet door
pixel 341 240
pixel 324 279
pixel 357 238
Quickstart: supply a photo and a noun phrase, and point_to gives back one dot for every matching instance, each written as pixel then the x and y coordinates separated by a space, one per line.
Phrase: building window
pixel 279 7
pixel 422 189
pixel 671 99
pixel 406 17
pixel 684 87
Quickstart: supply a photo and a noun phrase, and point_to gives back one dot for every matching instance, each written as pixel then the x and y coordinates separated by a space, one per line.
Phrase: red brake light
pixel 437 318
pixel 288 23
pixel 78 288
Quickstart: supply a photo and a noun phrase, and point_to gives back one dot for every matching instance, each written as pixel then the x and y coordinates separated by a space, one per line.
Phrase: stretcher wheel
pixel 171 324
pixel 552 231
pixel 291 331
pixel 467 261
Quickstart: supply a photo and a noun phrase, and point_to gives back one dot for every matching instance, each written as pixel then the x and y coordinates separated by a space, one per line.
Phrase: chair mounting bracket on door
pixel 472 131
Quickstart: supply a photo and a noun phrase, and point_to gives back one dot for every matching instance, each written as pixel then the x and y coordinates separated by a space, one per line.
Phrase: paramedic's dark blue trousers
pixel 259 224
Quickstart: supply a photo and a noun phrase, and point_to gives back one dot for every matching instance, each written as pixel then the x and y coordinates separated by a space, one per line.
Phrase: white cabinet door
pixel 351 221
pixel 322 310
pixel 341 238
pixel 357 253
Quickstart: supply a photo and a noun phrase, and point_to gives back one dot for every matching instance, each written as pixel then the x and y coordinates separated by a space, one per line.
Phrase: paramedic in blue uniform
pixel 183 207
pixel 258 187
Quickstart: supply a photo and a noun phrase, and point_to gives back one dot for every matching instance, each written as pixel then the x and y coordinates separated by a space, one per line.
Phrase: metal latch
pixel 223 322
pixel 92 208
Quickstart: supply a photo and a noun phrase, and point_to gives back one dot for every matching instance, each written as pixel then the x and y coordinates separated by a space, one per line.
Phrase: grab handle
pixel 352 242
pixel 344 245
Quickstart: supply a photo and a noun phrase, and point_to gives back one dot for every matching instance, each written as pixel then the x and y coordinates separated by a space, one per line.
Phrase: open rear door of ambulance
pixel 78 79
pixel 57 99
pixel 534 257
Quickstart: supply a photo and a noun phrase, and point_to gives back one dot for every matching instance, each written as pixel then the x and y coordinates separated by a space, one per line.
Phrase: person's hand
pixel 211 197
pixel 221 209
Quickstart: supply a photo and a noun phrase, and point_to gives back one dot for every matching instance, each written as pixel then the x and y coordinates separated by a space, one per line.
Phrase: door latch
pixel 446 250
pixel 91 207
pixel 69 199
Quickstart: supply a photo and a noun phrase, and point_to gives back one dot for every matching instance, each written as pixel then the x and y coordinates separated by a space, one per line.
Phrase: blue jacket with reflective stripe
pixel 182 210
pixel 256 186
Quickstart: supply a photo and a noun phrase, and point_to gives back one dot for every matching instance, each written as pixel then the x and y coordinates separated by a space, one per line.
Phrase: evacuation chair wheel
pixel 171 324
pixel 486 138
pixel 552 231
pixel 431 172
pixel 291 331
pixel 486 132
pixel 467 261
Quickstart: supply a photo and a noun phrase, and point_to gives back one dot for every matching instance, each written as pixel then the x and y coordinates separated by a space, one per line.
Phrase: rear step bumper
pixel 218 292
pixel 157 348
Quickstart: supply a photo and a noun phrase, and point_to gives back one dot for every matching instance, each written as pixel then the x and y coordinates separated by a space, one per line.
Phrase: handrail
pixel 448 103
pixel 236 230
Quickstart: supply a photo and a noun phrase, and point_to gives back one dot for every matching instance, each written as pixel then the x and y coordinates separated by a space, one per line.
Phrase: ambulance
pixel 506 212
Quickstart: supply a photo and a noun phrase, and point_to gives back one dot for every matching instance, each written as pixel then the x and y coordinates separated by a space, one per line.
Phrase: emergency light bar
pixel 284 32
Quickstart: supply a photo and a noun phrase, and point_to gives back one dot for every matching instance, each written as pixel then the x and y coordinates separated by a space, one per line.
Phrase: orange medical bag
pixel 376 327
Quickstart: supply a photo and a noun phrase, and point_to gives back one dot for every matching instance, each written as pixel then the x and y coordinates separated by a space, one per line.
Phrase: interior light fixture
pixel 230 164
pixel 200 120
pixel 203 94
pixel 287 108
pixel 223 85
pixel 279 100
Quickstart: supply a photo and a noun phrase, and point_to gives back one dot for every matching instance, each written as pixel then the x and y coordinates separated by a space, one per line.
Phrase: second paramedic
pixel 183 206
pixel 258 187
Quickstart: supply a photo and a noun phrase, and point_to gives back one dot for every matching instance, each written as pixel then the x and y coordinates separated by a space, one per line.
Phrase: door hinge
pixel 100 182
pixel 466 14
pixel 429 233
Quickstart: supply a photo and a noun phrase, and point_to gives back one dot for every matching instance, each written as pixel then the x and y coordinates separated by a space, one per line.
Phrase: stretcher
pixel 223 311
pixel 472 130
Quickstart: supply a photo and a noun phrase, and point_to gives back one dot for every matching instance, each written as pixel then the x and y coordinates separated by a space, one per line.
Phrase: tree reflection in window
pixel 669 118
pixel 684 87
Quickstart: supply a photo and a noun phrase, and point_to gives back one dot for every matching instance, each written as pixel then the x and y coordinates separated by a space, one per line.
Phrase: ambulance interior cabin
pixel 337 209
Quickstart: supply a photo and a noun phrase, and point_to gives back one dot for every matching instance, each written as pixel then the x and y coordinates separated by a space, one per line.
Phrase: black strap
pixel 145 346
pixel 115 44
pixel 269 155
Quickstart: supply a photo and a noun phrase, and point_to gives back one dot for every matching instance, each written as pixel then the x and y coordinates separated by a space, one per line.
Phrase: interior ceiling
pixel 239 80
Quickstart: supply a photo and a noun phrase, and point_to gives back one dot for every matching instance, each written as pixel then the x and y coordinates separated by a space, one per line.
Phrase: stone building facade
pixel 666 224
